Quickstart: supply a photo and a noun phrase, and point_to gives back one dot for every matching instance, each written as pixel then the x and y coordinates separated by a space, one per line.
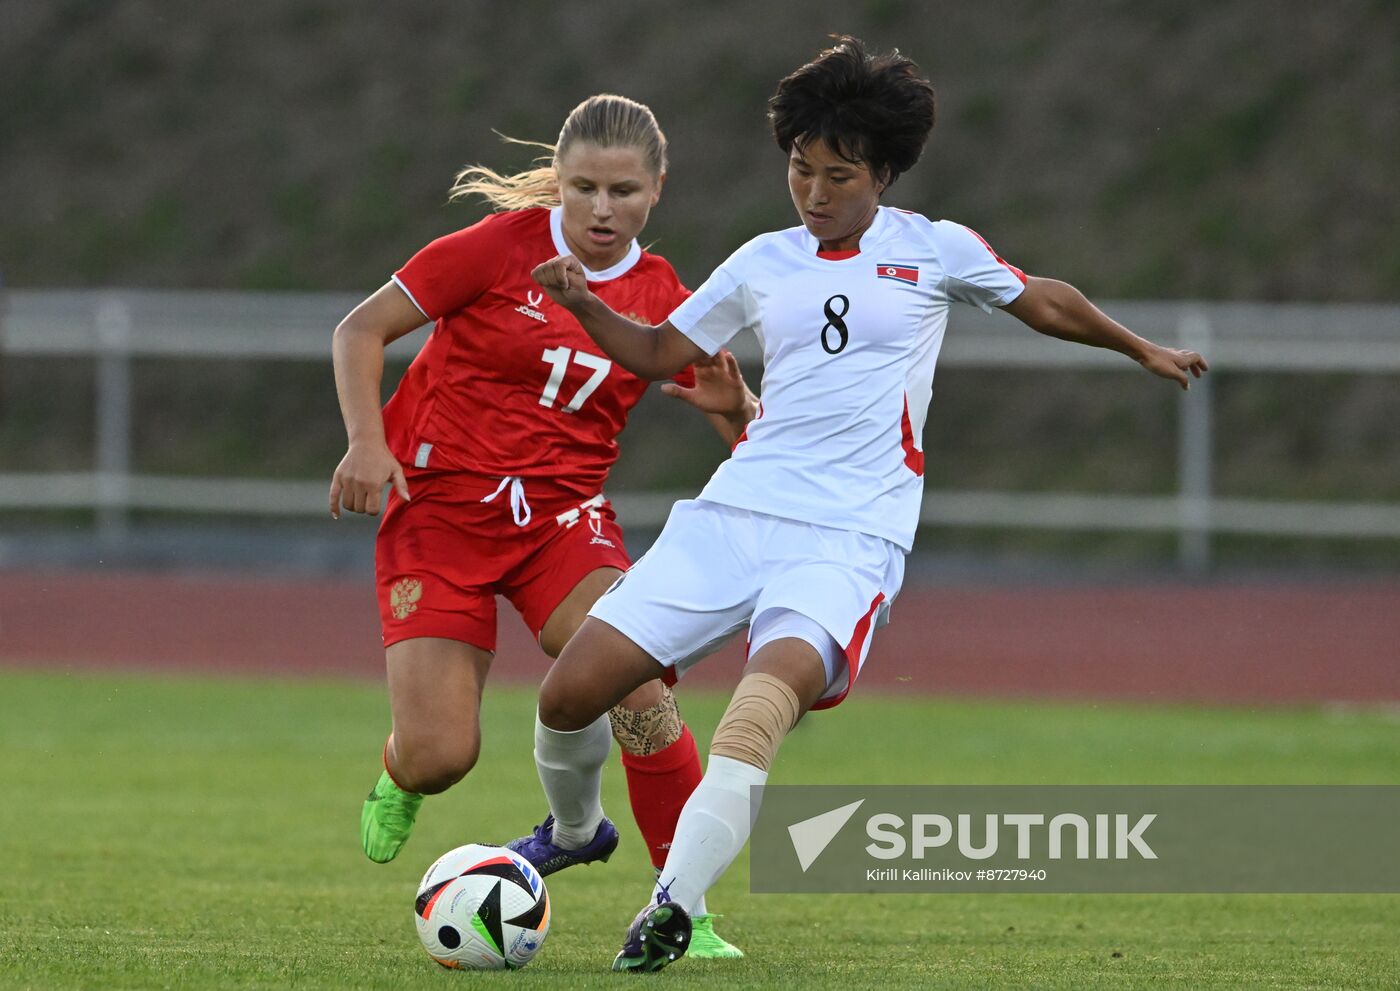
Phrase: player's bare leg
pixel 659 754
pixel 783 680
pixel 647 720
pixel 597 669
pixel 435 688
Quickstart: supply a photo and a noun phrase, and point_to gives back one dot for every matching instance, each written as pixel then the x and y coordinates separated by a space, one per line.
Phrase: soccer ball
pixel 482 908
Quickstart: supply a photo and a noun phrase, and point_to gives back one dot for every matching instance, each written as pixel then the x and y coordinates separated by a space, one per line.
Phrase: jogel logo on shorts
pixel 404 596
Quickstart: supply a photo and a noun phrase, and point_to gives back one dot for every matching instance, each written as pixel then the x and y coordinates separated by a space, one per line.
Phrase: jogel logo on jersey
pixel 532 300
pixel 907 274
pixel 404 596
pixel 595 523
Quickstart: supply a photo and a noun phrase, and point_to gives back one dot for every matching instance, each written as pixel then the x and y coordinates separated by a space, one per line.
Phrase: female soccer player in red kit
pixel 496 446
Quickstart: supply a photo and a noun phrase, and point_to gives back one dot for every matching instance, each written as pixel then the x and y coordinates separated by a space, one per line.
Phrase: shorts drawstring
pixel 519 508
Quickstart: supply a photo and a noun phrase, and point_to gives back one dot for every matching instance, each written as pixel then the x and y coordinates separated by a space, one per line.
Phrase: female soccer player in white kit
pixel 801 534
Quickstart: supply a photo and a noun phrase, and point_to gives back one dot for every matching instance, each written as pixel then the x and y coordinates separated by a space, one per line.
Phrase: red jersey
pixel 509 383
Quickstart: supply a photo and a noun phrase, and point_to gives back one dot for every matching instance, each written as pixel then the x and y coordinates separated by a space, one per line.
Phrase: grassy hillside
pixel 1239 149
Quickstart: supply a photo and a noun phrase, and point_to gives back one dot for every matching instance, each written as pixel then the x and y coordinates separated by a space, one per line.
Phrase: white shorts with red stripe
pixel 716 569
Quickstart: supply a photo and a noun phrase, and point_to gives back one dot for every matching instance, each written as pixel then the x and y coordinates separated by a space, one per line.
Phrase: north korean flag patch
pixel 907 274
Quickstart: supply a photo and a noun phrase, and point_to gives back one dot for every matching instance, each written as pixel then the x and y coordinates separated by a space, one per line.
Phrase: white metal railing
pixel 117 325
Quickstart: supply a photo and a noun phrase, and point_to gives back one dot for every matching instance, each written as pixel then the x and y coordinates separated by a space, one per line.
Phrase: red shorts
pixel 442 557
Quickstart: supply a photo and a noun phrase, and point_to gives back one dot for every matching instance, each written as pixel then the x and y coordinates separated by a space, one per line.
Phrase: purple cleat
pixel 539 849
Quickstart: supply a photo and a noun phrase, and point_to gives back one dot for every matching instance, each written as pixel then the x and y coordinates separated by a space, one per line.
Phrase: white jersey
pixel 849 348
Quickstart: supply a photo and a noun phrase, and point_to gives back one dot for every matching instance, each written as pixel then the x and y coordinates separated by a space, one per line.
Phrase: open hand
pixel 361 477
pixel 563 280
pixel 1175 364
pixel 719 386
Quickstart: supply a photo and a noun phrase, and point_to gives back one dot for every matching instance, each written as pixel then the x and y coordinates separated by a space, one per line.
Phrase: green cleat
pixel 387 819
pixel 706 944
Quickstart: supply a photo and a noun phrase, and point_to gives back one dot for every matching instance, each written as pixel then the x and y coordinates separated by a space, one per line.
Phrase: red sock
pixel 658 785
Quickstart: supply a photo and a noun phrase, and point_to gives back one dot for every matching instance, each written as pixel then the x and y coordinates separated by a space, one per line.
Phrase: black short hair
pixel 873 109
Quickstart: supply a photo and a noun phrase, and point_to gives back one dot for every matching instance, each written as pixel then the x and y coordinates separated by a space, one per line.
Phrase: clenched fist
pixel 563 280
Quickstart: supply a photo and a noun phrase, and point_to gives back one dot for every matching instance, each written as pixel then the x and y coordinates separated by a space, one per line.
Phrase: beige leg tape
pixel 646 732
pixel 759 716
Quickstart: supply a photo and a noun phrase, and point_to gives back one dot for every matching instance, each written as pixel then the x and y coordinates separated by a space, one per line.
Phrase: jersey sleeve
pixel 975 273
pixel 451 272
pixel 720 308
pixel 679 296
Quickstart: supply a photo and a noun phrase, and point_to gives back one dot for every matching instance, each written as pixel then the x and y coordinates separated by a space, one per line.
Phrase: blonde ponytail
pixel 605 120
pixel 533 187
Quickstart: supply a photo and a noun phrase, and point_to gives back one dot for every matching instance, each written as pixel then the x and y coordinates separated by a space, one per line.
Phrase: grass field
pixel 201 833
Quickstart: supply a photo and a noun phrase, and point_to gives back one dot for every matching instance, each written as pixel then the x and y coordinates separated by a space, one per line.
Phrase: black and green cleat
pixel 658 935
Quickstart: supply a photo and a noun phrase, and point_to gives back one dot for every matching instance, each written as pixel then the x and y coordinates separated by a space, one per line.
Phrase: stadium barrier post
pixel 1195 453
pixel 112 323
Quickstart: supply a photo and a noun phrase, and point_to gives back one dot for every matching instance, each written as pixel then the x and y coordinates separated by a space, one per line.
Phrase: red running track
pixel 1218 642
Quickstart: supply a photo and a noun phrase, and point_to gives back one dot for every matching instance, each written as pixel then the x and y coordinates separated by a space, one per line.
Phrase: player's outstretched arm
pixel 1057 309
pixel 357 350
pixel 645 351
pixel 721 394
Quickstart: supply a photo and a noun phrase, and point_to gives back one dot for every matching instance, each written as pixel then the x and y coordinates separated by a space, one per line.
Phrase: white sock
pixel 713 828
pixel 700 908
pixel 571 770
